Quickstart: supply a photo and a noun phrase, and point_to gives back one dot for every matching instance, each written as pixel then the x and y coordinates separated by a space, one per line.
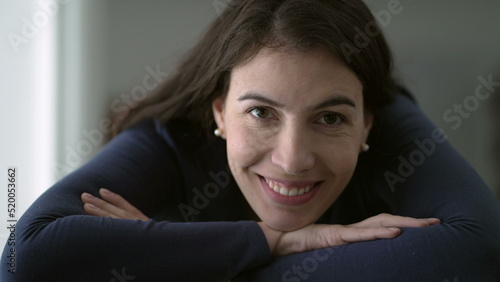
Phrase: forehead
pixel 295 74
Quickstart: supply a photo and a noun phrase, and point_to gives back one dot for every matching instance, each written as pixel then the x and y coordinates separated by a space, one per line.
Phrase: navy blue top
pixel 200 229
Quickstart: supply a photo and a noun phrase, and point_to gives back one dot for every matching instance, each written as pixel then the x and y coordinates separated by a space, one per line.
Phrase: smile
pixel 289 193
pixel 286 190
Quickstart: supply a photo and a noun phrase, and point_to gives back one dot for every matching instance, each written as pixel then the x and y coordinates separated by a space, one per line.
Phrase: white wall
pixel 82 83
pixel 53 73
pixel 27 72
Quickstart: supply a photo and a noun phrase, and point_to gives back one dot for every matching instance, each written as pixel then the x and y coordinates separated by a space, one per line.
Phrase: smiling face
pixel 294 124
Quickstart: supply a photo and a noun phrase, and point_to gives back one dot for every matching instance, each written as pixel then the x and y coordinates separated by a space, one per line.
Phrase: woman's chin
pixel 286 225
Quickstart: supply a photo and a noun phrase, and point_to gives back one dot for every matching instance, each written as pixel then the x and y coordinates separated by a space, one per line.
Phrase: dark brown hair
pixel 346 28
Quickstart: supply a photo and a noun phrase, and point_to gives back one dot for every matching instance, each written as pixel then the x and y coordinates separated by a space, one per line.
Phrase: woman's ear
pixel 218 111
pixel 368 117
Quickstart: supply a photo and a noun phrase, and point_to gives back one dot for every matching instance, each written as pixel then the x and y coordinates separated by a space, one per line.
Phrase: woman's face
pixel 294 125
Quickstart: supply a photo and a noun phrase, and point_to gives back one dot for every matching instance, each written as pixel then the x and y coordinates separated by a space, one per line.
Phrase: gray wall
pixel 441 48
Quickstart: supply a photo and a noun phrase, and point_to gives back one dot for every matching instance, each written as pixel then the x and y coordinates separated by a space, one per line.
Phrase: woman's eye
pixel 262 113
pixel 331 119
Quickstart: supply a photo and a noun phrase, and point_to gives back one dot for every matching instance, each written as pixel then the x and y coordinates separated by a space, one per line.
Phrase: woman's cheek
pixel 249 140
pixel 342 159
pixel 244 145
pixel 350 160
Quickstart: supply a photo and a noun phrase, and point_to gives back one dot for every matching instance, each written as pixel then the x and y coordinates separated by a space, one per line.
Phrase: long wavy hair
pixel 346 28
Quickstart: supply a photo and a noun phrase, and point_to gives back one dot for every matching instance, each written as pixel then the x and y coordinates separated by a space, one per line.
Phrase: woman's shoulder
pixel 400 123
pixel 177 134
pixel 184 137
pixel 210 191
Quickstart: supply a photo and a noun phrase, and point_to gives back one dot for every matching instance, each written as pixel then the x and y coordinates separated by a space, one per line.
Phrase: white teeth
pixel 283 191
pixel 293 191
pixel 276 188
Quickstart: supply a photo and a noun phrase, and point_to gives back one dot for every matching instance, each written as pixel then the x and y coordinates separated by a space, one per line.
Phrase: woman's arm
pixel 57 241
pixel 465 247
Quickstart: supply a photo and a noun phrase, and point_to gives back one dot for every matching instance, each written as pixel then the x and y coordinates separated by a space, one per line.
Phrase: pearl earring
pixel 365 147
pixel 218 132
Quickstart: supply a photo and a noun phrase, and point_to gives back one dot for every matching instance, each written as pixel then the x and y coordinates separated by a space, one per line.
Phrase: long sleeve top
pixel 200 229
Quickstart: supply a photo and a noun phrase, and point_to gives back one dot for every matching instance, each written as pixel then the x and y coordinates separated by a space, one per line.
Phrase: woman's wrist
pixel 272 236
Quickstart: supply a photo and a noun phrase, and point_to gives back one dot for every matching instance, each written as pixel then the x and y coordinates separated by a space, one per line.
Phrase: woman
pixel 295 99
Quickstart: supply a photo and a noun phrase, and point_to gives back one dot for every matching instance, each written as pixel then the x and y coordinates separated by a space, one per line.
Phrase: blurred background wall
pixel 66 65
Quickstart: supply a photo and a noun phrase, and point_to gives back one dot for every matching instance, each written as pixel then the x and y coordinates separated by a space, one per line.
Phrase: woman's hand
pixel 317 236
pixel 311 237
pixel 111 205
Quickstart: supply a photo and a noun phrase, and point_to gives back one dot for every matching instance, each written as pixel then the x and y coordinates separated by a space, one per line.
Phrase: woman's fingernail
pixel 92 206
pixel 393 228
pixel 89 196
pixel 105 191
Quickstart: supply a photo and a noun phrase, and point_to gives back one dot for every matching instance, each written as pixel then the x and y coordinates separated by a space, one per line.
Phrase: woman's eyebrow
pixel 260 98
pixel 336 100
pixel 333 101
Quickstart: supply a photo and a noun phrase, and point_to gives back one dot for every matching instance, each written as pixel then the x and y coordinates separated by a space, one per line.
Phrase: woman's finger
pixel 316 236
pixel 388 220
pixel 106 209
pixel 95 211
pixel 348 234
pixel 121 203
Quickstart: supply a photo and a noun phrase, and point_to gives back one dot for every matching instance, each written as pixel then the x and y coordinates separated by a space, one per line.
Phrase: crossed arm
pixel 444 186
pixel 56 230
pixel 441 185
pixel 463 247
pixel 312 237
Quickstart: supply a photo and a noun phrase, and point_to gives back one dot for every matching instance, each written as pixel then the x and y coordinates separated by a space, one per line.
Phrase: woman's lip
pixel 289 200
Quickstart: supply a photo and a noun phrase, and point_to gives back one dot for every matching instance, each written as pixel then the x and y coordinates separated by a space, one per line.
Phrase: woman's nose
pixel 293 151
